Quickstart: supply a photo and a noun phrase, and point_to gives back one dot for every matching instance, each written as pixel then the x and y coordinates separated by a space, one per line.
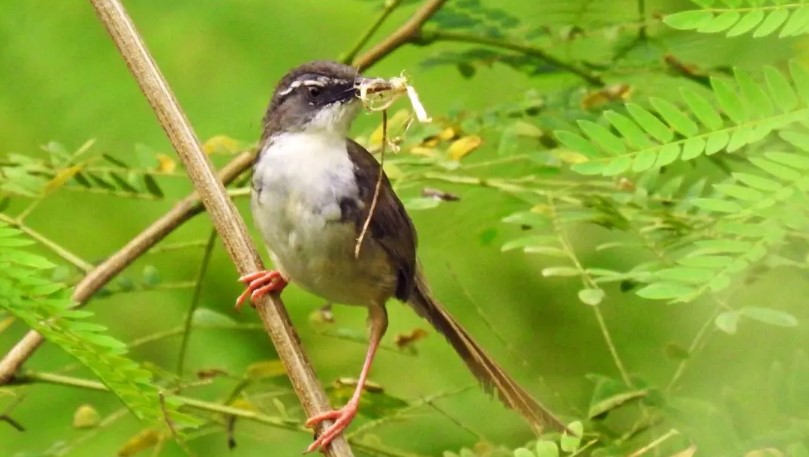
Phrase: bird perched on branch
pixel 312 192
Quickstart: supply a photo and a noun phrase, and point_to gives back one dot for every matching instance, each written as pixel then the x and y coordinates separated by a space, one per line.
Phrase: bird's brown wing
pixel 390 225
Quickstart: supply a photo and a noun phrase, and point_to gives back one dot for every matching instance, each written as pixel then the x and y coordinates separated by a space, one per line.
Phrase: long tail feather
pixel 490 375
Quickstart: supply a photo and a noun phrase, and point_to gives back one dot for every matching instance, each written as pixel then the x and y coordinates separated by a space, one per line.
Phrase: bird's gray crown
pixel 306 91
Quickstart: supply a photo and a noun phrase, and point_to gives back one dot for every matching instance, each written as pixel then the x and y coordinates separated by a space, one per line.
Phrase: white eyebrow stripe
pixel 320 82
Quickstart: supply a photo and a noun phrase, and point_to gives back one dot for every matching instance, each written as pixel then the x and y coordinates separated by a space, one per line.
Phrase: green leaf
pixel 522 452
pixel 650 123
pixel 779 171
pixel 757 182
pixel 769 316
pixel 645 159
pixel 719 246
pixel 716 142
pixel 792 160
pixel 546 250
pixel 780 89
pixel 728 322
pixel 746 23
pixel 533 240
pixel 615 401
pixel 589 168
pixel 800 77
pixel 693 148
pixel 705 261
pixel 674 117
pixel 546 448
pixel 152 187
pixel 203 317
pixel 629 130
pixel 591 297
pixel 668 154
pixel 797 23
pixel 720 22
pixel 150 276
pixel 684 274
pixel 754 94
pixel 577 143
pixel 771 23
pixel 702 109
pixel 715 204
pixel 617 165
pixel 739 192
pixel 603 137
pixel 665 291
pixel 529 218
pixel 729 100
pixel 27 259
pixel 571 443
pixel 560 271
pixel 688 20
pixel 421 203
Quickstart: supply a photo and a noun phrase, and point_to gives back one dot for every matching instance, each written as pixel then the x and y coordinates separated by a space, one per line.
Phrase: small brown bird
pixel 312 192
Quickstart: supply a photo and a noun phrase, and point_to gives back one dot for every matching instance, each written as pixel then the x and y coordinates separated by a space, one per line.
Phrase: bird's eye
pixel 314 91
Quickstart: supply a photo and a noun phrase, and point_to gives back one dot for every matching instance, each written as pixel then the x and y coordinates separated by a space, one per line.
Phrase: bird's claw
pixel 342 418
pixel 260 284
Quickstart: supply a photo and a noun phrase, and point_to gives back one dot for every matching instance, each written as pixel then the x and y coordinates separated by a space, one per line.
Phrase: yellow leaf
pixel 62 176
pixel 422 151
pixel 265 369
pixel 165 164
pixel 144 440
pixel 86 417
pixel 569 156
pixel 447 134
pixel 221 143
pixel 463 146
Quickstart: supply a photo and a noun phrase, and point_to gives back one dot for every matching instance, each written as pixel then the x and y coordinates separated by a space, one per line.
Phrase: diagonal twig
pixel 225 217
pixel 401 36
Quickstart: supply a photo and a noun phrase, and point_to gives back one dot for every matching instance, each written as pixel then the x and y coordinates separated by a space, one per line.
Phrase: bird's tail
pixel 490 375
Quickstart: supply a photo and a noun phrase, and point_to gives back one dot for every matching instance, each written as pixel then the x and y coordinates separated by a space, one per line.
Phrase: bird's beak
pixel 366 86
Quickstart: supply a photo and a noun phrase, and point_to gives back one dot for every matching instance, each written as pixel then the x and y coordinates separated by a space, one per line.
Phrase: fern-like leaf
pixel 46 307
pixel 762 18
pixel 744 111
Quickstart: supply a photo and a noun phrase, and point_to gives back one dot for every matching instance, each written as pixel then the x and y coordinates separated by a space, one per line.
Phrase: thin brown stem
pixel 195 299
pixel 377 187
pixel 402 35
pixel 389 7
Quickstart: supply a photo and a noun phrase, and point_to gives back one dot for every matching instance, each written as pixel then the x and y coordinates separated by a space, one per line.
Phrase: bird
pixel 312 191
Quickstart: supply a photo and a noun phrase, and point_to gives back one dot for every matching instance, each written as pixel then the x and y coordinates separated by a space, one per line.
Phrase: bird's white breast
pixel 298 184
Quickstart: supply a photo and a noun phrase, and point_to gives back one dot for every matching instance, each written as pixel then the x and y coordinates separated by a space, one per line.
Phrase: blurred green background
pixel 63 80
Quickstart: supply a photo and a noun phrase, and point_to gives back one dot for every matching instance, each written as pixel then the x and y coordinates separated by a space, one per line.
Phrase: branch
pixel 225 410
pixel 390 5
pixel 113 265
pixel 423 38
pixel 226 219
pixel 402 35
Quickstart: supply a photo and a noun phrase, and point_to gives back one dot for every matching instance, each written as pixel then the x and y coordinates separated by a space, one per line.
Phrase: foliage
pixel 611 156
pixel 735 18
pixel 44 306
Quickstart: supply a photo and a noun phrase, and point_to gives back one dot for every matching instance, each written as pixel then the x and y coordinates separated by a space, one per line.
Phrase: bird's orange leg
pixel 378 320
pixel 260 284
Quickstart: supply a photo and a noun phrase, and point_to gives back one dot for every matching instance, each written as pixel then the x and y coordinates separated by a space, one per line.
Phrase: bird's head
pixel 316 96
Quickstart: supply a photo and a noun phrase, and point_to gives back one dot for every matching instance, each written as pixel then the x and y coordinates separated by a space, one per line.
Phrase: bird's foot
pixel 342 418
pixel 260 284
